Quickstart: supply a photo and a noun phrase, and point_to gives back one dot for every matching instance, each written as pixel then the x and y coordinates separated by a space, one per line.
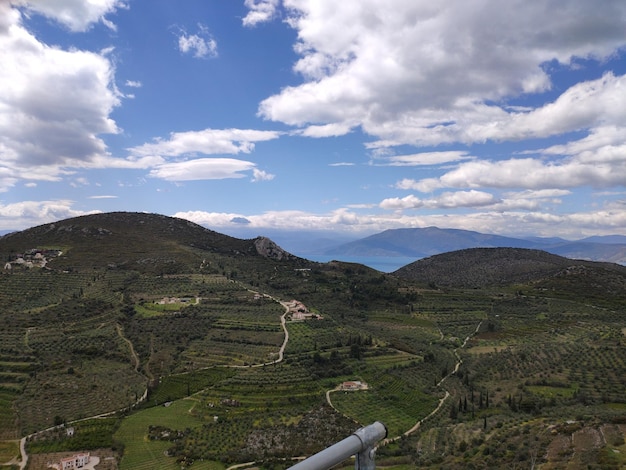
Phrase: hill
pixel 429 241
pixel 206 351
pixel 137 241
pixel 480 267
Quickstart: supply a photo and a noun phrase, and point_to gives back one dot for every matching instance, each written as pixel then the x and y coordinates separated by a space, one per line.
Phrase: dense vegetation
pixel 505 358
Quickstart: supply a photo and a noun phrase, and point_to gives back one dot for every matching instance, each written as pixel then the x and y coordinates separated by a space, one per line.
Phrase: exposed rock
pixel 266 247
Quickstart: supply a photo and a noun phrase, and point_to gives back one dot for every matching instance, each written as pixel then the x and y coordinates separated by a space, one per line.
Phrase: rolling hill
pixel 480 267
pixel 204 351
pixel 139 241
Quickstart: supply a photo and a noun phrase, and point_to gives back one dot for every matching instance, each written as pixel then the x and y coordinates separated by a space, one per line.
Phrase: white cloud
pixel 424 73
pixel 26 214
pixel 202 169
pixel 133 84
pixel 526 173
pixel 207 141
pixel 260 175
pixel 261 11
pixel 54 103
pixel 425 158
pixel 200 45
pixel 538 194
pixel 327 130
pixel 446 200
pixel 77 15
pixel 603 145
pixel 425 185
pixel 608 221
pixel 407 202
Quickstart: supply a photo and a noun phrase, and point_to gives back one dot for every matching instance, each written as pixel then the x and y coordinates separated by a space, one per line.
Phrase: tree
pixel 453 412
pixel 355 351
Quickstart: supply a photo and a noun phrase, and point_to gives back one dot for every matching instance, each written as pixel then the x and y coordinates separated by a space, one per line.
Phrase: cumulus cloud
pixel 261 11
pixel 207 141
pixel 55 103
pixel 26 214
pixel 526 173
pixel 327 130
pixel 447 200
pixel 77 15
pixel 607 221
pixel 425 73
pixel 201 45
pixel 260 175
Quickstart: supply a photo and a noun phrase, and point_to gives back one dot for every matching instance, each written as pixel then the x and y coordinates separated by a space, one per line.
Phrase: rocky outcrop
pixel 266 247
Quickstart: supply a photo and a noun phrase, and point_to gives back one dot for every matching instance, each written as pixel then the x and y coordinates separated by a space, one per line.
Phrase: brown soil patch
pixel 485 349
pixel 560 449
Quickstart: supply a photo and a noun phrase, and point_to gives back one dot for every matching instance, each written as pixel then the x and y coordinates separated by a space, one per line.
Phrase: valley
pixel 527 373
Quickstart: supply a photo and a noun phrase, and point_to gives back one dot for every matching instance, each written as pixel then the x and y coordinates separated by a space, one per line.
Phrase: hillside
pixel 429 241
pixel 480 267
pixel 135 241
pixel 208 351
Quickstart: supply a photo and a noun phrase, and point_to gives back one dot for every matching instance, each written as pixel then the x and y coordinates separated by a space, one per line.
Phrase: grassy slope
pixel 554 342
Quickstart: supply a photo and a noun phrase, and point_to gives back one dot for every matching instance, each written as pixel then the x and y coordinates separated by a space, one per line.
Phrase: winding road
pixel 442 400
pixel 136 363
pixel 281 354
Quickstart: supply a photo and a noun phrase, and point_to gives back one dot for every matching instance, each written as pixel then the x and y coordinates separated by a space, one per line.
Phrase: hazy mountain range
pixel 424 242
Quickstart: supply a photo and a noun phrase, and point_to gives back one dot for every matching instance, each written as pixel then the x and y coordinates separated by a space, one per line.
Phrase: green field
pixel 518 369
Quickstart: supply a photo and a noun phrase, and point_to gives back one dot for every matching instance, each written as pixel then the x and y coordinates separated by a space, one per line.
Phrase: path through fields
pixel 136 363
pixel 133 354
pixel 442 400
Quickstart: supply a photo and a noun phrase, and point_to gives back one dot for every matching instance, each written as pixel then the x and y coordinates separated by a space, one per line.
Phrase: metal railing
pixel 361 444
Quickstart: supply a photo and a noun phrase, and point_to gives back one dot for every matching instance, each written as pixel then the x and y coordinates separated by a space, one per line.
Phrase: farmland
pixel 168 357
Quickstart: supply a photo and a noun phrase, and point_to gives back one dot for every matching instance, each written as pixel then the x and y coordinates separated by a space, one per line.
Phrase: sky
pixel 351 116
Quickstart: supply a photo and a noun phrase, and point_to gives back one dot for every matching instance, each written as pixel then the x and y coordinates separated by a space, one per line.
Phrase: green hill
pixel 132 241
pixel 507 357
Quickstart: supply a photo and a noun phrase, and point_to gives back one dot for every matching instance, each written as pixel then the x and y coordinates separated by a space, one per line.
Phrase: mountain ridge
pixel 429 241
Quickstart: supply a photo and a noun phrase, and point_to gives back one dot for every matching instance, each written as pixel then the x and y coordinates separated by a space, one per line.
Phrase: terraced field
pixel 179 341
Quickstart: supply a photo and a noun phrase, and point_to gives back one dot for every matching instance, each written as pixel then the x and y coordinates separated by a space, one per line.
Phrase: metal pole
pixel 361 444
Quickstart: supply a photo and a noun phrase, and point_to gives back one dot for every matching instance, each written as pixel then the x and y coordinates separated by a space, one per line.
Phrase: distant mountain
pixel 611 239
pixel 480 267
pixel 429 241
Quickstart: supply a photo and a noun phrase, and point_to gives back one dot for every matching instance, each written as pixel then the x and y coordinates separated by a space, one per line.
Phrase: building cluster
pixel 298 311
pixel 33 258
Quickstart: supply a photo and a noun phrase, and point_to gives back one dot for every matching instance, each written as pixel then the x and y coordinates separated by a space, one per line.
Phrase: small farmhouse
pixel 75 461
pixel 353 385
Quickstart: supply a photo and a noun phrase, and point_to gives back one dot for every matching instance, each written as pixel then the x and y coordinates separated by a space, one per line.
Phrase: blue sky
pixel 355 116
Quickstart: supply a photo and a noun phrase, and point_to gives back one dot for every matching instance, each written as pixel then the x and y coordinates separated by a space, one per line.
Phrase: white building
pixel 75 461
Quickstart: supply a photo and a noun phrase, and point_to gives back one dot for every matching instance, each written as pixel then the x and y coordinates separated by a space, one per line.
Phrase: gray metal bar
pixel 361 443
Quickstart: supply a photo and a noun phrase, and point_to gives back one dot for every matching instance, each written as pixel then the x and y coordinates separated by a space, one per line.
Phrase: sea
pixel 385 264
